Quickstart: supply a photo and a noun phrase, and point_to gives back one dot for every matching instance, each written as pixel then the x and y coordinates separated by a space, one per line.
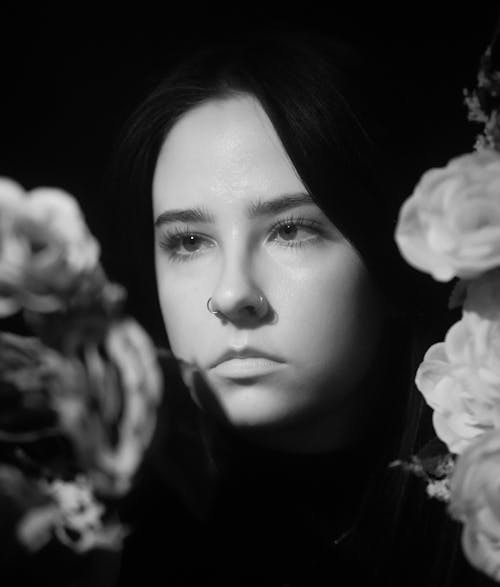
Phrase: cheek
pixel 335 314
pixel 183 306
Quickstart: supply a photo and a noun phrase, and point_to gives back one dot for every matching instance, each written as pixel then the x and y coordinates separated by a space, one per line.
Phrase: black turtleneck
pixel 214 510
pixel 273 519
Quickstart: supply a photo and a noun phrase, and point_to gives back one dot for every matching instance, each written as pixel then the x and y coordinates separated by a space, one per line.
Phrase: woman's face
pixel 299 320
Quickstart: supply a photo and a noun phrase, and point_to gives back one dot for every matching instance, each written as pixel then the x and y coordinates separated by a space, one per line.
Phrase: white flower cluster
pixel 450 228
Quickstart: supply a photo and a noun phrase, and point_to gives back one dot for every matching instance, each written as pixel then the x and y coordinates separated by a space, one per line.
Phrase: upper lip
pixel 244 353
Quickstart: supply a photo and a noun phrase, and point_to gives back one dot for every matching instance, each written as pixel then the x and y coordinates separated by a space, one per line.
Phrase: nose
pixel 237 297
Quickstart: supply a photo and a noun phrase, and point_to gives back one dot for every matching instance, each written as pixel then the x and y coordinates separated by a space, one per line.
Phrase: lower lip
pixel 248 367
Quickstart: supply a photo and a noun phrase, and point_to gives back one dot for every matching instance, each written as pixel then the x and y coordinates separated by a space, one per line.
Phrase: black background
pixel 71 78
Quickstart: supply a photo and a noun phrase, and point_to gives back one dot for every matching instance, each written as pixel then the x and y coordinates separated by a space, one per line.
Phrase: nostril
pixel 247 308
pixel 256 307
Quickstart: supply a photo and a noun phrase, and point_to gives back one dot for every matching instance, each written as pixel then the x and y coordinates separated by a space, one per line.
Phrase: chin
pixel 256 408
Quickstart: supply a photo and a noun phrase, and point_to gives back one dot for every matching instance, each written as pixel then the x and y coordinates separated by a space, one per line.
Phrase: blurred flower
pixel 112 423
pixel 77 427
pixel 450 226
pixel 460 379
pixel 483 102
pixel 134 356
pixel 439 489
pixel 35 528
pixel 45 248
pixel 20 495
pixel 475 501
pixel 80 521
pixel 78 401
pixel 86 319
pixel 433 463
pixel 103 403
pixel 69 512
pixel 31 375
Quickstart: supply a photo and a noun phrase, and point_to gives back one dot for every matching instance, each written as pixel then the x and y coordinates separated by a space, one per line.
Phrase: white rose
pixel 475 501
pixel 450 225
pixel 460 380
pixel 45 247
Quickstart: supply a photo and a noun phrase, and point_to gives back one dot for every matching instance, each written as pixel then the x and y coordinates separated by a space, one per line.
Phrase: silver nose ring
pixel 216 313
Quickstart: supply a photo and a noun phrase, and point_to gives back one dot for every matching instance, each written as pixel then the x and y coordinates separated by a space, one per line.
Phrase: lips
pixel 246 353
pixel 246 364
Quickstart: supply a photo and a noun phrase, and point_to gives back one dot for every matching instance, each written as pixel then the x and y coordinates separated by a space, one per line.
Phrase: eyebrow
pixel 256 209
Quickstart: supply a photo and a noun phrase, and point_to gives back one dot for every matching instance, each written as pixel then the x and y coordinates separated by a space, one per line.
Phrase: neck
pixel 338 430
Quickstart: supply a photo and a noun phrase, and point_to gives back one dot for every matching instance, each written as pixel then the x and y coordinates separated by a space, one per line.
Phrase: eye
pixel 182 245
pixel 288 231
pixel 295 232
pixel 190 243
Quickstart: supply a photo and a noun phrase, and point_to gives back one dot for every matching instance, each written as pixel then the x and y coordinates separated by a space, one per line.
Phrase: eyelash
pixel 172 240
pixel 298 222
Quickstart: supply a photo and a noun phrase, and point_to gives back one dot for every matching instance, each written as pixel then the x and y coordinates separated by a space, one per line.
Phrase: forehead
pixel 224 148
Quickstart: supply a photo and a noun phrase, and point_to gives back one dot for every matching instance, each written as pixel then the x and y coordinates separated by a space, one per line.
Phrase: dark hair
pixel 326 106
pixel 337 126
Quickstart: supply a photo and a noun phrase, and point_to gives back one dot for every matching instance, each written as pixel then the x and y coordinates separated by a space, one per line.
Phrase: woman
pixel 294 325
